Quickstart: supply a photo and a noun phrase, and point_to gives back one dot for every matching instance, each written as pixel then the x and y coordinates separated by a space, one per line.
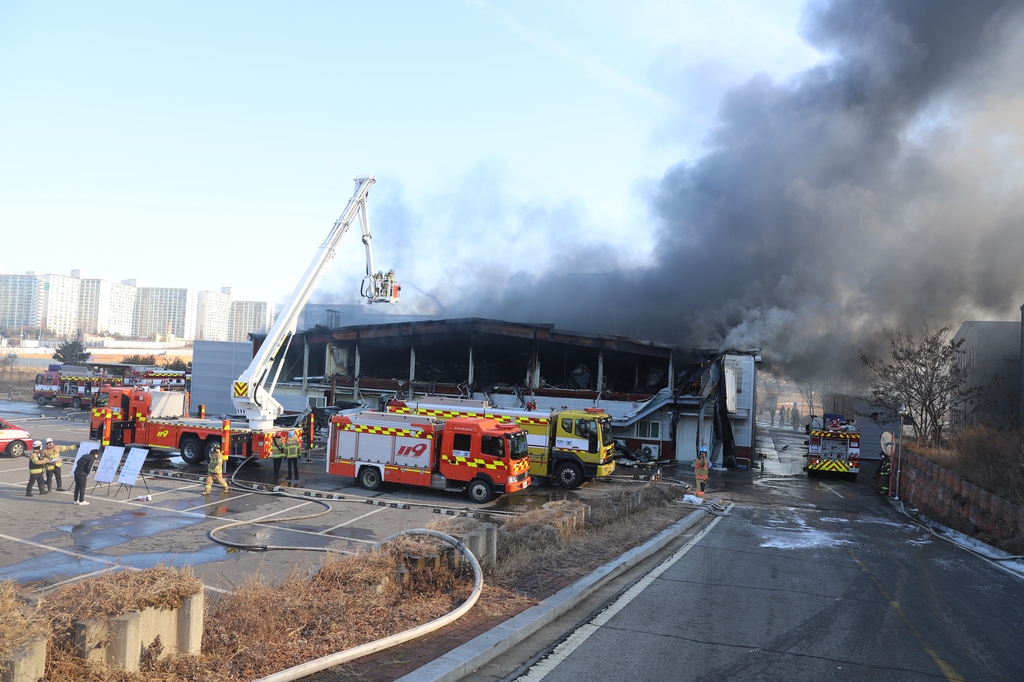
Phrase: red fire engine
pixel 481 456
pixel 834 447
pixel 69 385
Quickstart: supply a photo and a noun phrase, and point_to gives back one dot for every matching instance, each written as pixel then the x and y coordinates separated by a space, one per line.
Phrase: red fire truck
pixel 70 385
pixel 481 456
pixel 835 446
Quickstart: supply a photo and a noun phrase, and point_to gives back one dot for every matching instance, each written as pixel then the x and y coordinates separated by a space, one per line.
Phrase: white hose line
pixel 340 657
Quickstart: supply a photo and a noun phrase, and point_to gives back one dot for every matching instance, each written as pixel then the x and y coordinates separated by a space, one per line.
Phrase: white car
pixel 14 440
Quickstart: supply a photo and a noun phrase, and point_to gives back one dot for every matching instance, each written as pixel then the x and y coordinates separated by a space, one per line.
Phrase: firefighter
pixel 884 471
pixel 700 471
pixel 277 448
pixel 35 469
pixel 292 449
pixel 82 470
pixel 214 469
pixel 51 454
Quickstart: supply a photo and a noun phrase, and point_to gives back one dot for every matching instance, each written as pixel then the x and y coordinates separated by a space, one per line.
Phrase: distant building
pixel 60 304
pixel 21 300
pixel 992 353
pixel 106 307
pixel 250 316
pixel 164 312
pixel 213 316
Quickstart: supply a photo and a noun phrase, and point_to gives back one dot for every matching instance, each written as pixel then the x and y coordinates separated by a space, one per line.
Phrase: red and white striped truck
pixel 482 457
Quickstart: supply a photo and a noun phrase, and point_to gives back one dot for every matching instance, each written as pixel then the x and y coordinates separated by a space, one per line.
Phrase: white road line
pixel 829 488
pixel 542 668
pixel 234 497
pixel 77 555
pixel 375 511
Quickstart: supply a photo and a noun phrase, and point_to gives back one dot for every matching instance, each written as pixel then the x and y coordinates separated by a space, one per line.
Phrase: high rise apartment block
pixel 68 305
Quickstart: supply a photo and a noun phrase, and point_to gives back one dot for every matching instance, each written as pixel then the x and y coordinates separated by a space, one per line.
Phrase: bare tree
pixel 926 377
pixel 814 390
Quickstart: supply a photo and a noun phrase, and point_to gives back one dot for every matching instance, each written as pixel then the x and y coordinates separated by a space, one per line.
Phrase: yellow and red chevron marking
pixel 387 431
pixel 835 434
pixel 474 462
pixel 828 465
pixel 241 389
pixel 452 414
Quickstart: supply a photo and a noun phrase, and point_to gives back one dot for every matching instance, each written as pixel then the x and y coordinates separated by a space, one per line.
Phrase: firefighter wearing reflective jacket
pixel 291 453
pixel 51 454
pixel 277 449
pixel 700 471
pixel 884 470
pixel 35 469
pixel 214 470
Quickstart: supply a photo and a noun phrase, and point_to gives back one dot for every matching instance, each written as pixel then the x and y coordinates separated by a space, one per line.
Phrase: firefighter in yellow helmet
pixel 215 468
pixel 51 455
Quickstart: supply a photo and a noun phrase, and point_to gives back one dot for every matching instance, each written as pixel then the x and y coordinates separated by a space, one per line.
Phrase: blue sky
pixel 213 144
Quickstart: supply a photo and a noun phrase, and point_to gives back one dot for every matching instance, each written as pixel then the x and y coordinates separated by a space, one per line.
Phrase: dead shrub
pixel 991 459
pixel 19 622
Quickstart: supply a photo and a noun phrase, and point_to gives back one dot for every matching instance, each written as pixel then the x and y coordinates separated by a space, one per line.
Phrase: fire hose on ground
pixel 331 660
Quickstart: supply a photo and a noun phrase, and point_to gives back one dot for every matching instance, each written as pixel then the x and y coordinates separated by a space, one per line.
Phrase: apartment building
pixel 21 300
pixel 167 312
pixel 67 305
pixel 250 316
pixel 213 315
pixel 61 296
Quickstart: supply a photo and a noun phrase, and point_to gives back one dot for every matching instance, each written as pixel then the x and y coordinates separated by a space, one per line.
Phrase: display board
pixel 108 464
pixel 84 447
pixel 132 466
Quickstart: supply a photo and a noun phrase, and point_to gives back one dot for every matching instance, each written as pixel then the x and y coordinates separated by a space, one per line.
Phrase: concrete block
pixel 27 663
pixel 490 542
pixel 190 623
pixel 125 642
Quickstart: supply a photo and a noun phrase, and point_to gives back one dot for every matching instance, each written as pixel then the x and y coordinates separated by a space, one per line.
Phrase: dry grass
pixel 19 622
pixel 993 460
pixel 545 547
pixel 264 627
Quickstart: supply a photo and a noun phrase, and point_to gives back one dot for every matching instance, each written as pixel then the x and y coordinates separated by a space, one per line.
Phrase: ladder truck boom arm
pixel 250 395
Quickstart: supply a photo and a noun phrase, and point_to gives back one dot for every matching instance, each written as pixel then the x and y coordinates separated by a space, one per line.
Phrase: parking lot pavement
pixel 48 540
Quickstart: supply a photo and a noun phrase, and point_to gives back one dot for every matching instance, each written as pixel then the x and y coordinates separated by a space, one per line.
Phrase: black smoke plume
pixel 883 186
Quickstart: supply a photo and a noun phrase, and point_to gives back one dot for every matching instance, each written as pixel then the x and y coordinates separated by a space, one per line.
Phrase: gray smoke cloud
pixel 881 187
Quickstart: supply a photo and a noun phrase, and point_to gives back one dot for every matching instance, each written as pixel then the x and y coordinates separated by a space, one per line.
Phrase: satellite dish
pixel 888 443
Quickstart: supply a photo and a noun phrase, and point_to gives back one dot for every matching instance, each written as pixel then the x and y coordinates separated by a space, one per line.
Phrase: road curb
pixel 466 658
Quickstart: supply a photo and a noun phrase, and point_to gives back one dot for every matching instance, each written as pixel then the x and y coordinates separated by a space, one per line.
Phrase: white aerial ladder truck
pixel 130 415
pixel 251 396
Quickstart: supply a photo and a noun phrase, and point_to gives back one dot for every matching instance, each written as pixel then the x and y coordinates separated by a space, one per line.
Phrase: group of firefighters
pixel 46 460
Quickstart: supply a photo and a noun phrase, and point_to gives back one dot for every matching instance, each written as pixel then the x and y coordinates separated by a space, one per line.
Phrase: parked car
pixel 14 440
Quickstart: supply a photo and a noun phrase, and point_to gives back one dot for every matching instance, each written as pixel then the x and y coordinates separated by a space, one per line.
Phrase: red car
pixel 14 440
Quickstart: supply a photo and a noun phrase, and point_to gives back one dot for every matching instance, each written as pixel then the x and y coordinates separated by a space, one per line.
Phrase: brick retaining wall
pixel 948 497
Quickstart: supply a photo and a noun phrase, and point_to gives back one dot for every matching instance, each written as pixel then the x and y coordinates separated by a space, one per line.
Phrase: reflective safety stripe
pixel 241 389
pixel 474 462
pixel 452 414
pixel 829 465
pixel 386 431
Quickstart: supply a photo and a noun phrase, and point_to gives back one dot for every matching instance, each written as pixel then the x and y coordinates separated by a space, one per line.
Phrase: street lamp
pixel 11 357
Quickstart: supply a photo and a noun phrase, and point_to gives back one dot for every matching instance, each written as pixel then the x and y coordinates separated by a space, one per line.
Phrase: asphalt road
pixel 816 579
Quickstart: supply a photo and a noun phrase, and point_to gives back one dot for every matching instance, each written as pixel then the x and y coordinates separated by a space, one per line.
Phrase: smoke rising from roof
pixel 882 186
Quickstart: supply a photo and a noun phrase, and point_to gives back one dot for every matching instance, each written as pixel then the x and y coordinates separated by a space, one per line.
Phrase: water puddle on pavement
pixel 96 534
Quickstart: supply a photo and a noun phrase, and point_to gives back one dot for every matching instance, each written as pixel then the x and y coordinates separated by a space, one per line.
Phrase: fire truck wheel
pixel 15 449
pixel 479 491
pixel 76 403
pixel 191 450
pixel 369 478
pixel 569 475
pixel 41 400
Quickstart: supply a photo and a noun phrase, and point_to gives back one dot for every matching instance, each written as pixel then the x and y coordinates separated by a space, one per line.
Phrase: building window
pixel 648 429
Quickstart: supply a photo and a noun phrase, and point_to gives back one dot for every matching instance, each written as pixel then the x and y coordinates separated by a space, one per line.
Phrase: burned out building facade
pixel 666 399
